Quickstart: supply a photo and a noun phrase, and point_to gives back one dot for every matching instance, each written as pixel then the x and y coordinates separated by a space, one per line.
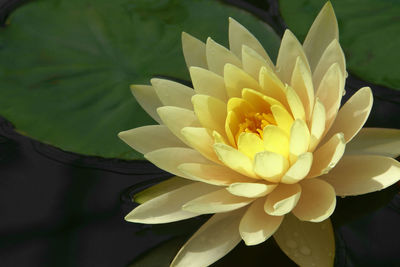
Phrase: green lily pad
pixel 66 65
pixel 369 34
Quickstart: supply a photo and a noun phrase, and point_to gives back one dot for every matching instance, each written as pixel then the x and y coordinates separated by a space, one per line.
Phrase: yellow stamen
pixel 254 123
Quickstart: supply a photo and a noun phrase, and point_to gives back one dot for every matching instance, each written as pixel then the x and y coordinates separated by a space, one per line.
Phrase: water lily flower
pixel 261 145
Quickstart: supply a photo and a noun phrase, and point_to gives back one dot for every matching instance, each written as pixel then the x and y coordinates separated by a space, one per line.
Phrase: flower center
pixel 254 122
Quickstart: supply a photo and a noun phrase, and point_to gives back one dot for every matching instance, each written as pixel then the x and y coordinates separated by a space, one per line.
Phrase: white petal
pixel 172 93
pixel 352 116
pixel 218 56
pixel 148 138
pixel 361 174
pixel 307 243
pixel 283 199
pixel 168 159
pixel 379 141
pixel 212 241
pixel 216 202
pixel 194 51
pixel 147 98
pixel 256 226
pixel 317 201
pixel 168 207
pixel 322 32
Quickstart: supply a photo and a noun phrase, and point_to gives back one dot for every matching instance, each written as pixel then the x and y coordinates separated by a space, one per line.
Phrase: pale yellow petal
pixel 328 155
pixel 253 62
pixel 172 93
pixel 272 86
pixel 210 111
pixel 289 50
pixel 299 169
pixel 201 140
pixel 168 207
pixel 299 139
pixel 330 93
pixel 212 241
pixel 251 190
pixel 240 106
pixel 332 54
pixel 164 160
pixel 239 36
pixel 302 83
pixel 322 32
pixel 148 138
pixel 250 144
pixel 235 160
pixel 231 127
pixel 212 174
pixel 216 202
pixel 317 201
pixel 160 189
pixel 353 114
pixel 194 51
pixel 296 106
pixel 276 140
pixel 218 56
pixel 176 119
pixel 260 102
pixel 307 243
pixel 236 79
pixel 317 124
pixel 218 138
pixel 147 98
pixel 206 82
pixel 256 226
pixel 270 166
pixel 379 141
pixel 283 199
pixel 361 174
pixel 283 118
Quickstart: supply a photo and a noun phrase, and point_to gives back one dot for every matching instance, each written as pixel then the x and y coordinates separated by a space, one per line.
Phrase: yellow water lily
pixel 261 145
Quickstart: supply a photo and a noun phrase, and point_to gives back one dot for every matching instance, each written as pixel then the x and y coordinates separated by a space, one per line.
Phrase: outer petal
pixel 357 175
pixel 352 116
pixel 216 202
pixel 270 166
pixel 146 96
pixel 299 140
pixel 283 199
pixel 317 124
pixel 210 111
pixel 307 243
pixel 296 106
pixel 322 32
pixel 332 54
pixel 379 141
pixel 272 86
pixel 256 226
pixel 212 241
pixel 168 159
pixel 253 62
pixel 159 189
pixel 239 36
pixel 212 174
pixel 206 82
pixel 317 201
pixel 176 119
pixel 251 190
pixel 151 137
pixel 236 79
pixel 218 56
pixel 299 169
pixel 328 155
pixel 201 140
pixel 288 52
pixel 194 51
pixel 168 207
pixel 235 160
pixel 172 93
